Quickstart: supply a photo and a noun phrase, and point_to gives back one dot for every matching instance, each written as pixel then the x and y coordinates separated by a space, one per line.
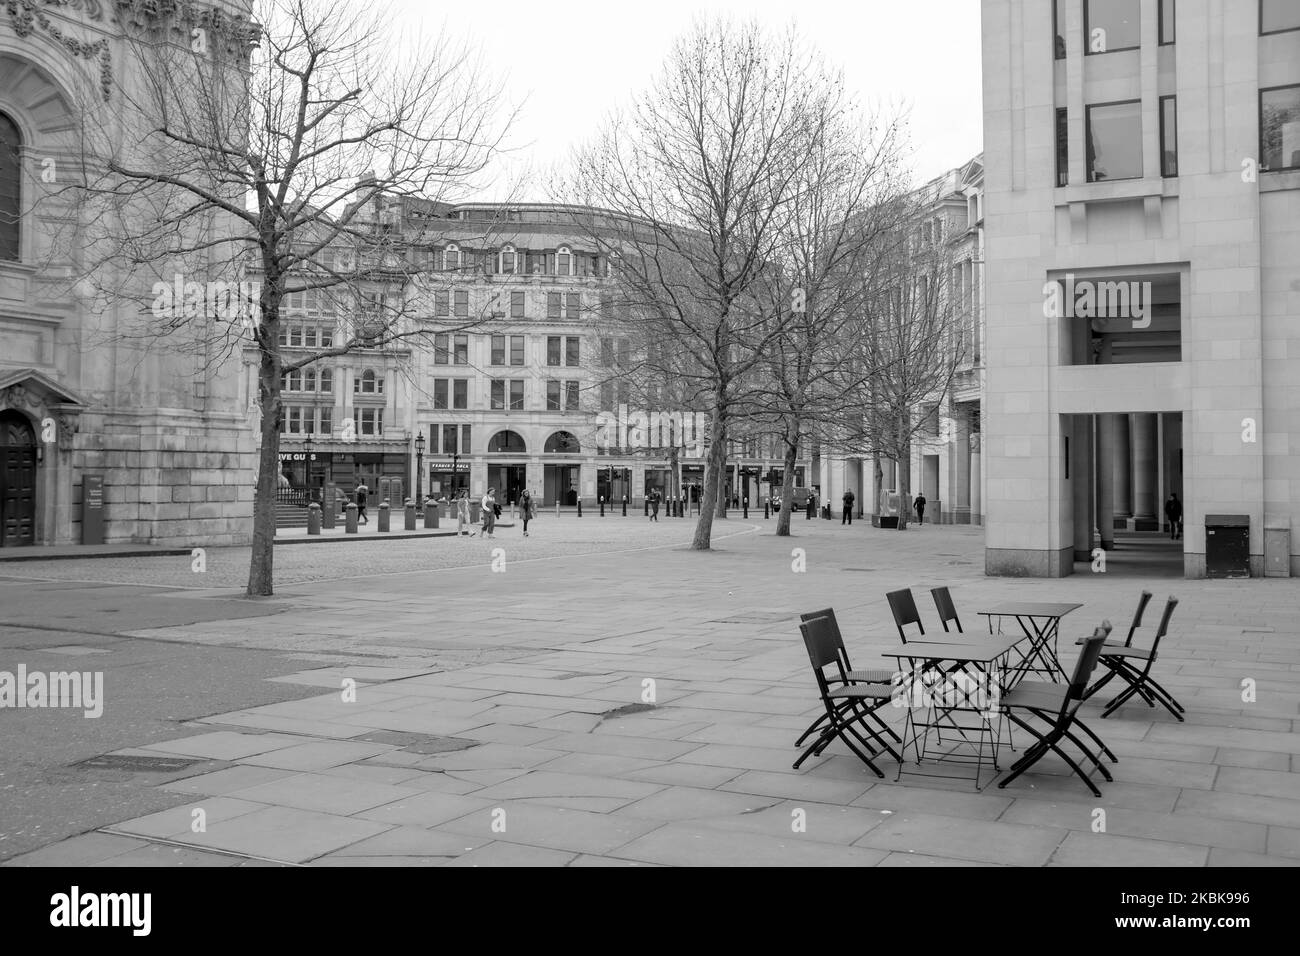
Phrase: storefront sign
pixel 302 456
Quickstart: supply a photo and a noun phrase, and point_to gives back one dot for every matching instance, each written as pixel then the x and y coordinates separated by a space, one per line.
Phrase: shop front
pixel 448 478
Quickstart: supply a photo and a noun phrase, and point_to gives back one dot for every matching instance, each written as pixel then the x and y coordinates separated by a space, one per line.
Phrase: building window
pixel 1279 127
pixel 460 353
pixel 442 303
pixel 309 338
pixel 368 383
pixel 573 304
pixel 295 337
pixel 371 420
pixel 563 262
pixel 553 350
pixel 607 396
pixel 1111 25
pixel 327 383
pixel 460 393
pixel 606 352
pixel 508 259
pixel 309 380
pixel 552 395
pixel 451 257
pixel 449 440
pixel 516 305
pixel 1278 16
pixel 571 351
pixel 516 395
pixel 507 442
pixel 462 303
pixel 464 439
pixel 516 350
pixel 1058 27
pixel 440 342
pixel 1168 136
pixel 1114 141
pixel 11 151
pixel 326 420
pixel 498 350
pixel 440 393
pixel 498 403
pixel 295 381
pixel 1062 148
pixel 571 396
pixel 1166 22
pixel 552 305
pixel 295 419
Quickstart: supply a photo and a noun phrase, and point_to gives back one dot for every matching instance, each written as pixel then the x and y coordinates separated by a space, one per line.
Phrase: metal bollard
pixel 557 507
pixel 767 508
pixel 350 520
pixel 329 511
pixel 410 515
pixel 313 518
pixel 579 507
pixel 625 506
pixel 430 513
pixel 384 509
pixel 745 505
pixel 647 507
pixel 602 506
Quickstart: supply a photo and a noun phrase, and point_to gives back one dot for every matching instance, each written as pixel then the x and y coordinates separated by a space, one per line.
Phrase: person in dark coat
pixel 363 493
pixel 654 504
pixel 919 505
pixel 1174 515
pixel 847 517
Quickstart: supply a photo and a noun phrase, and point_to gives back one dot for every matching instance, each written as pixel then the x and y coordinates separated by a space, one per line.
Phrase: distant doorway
pixel 17 481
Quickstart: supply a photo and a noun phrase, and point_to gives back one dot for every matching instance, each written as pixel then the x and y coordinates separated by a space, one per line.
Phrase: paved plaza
pixel 597 694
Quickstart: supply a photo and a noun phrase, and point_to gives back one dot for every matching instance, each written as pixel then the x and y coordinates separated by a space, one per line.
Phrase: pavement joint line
pixel 166 841
pixel 390 574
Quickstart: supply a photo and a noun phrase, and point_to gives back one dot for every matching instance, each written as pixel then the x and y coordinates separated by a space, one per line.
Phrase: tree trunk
pixel 720 509
pixel 879 472
pixel 904 445
pixel 261 567
pixel 787 486
pixel 717 457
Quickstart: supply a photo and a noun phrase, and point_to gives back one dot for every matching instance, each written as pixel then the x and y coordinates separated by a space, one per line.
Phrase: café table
pixel 1040 622
pixel 940 681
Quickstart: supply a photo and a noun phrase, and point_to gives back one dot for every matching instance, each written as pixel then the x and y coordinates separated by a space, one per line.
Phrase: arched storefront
pixel 508 478
pixel 560 478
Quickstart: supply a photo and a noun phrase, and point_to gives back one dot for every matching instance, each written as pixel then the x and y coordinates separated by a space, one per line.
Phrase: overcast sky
pixel 569 63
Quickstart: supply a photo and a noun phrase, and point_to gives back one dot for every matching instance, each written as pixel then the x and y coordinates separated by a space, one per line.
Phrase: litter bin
pixel 1227 546
pixel 1277 547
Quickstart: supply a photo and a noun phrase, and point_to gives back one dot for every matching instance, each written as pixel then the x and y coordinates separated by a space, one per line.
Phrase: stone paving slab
pixel 705 776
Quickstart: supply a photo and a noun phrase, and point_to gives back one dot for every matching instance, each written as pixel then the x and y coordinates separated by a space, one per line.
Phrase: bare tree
pixel 285 155
pixel 700 175
pixel 908 334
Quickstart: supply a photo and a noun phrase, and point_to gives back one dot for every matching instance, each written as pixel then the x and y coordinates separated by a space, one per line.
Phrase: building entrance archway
pixel 17 480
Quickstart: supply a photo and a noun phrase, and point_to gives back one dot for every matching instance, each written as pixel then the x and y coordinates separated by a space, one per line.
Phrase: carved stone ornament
pixel 27 15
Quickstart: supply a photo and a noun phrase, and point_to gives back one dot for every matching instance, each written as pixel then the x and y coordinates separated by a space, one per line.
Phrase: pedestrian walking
pixel 526 510
pixel 848 500
pixel 1174 515
pixel 654 504
pixel 462 514
pixel 919 505
pixel 363 493
pixel 812 505
pixel 488 509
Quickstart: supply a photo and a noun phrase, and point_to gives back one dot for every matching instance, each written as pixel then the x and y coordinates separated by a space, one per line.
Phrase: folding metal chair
pixel 848 706
pixel 1143 601
pixel 903 607
pixel 947 610
pixel 1057 705
pixel 877 676
pixel 1134 665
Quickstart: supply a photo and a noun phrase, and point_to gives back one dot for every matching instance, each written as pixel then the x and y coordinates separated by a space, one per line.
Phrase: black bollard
pixel 745 505
pixel 602 506
pixel 579 507
pixel 647 506
pixel 625 506
pixel 767 509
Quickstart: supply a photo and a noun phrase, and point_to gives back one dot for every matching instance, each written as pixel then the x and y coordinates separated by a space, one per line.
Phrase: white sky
pixel 569 63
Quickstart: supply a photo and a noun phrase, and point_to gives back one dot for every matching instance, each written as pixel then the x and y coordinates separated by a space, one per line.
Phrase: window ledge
pixel 1118 190
pixel 1281 180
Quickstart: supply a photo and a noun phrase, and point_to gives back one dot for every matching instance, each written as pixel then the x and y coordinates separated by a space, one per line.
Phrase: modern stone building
pixel 81 402
pixel 1143 276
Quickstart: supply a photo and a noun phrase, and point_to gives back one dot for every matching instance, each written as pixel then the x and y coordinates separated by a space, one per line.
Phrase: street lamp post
pixel 311 490
pixel 419 474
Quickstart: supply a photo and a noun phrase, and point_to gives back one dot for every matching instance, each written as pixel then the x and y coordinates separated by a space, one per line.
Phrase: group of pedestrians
pixel 489 510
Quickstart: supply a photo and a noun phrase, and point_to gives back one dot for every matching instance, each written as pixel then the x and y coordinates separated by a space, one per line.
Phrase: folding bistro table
pixel 1041 624
pixel 942 684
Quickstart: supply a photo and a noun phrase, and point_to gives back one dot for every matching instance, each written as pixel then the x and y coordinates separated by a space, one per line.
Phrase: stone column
pixel 1145 500
pixel 960 450
pixel 976 480
pixel 1104 448
pixel 1081 485
pixel 1123 465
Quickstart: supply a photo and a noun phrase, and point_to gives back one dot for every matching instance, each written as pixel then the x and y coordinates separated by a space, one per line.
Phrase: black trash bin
pixel 1227 546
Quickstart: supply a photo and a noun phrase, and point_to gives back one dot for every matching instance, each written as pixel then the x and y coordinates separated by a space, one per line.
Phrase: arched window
pixel 508 442
pixel 563 443
pixel 563 261
pixel 11 144
pixel 368 380
pixel 508 260
pixel 451 257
